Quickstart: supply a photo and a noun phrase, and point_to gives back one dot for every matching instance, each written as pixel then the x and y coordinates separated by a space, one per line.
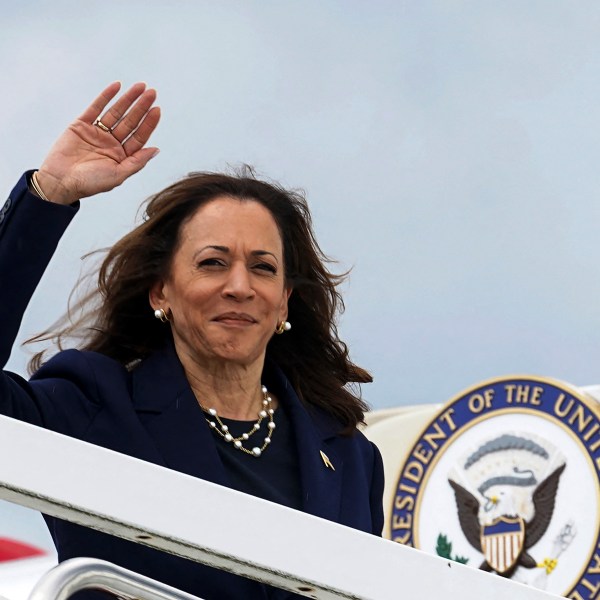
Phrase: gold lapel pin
pixel 326 460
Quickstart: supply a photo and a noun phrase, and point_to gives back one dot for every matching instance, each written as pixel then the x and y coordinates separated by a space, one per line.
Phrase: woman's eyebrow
pixel 226 250
pixel 263 253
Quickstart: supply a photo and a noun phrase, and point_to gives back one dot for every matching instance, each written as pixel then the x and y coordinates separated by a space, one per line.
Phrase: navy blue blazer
pixel 150 412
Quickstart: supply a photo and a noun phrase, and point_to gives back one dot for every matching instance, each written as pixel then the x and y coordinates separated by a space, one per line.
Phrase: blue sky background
pixel 449 151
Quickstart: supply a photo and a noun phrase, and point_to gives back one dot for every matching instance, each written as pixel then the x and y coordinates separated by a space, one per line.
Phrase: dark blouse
pixel 275 474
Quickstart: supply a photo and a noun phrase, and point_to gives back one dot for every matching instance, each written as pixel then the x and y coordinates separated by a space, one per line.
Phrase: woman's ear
pixel 287 292
pixel 156 295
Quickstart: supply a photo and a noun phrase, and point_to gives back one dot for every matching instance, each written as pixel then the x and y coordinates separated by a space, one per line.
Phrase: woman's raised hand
pixel 101 148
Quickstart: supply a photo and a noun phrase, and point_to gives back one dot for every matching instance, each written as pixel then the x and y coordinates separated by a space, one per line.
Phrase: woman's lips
pixel 235 319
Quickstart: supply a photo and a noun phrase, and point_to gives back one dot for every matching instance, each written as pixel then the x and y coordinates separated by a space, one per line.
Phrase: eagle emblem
pixel 513 502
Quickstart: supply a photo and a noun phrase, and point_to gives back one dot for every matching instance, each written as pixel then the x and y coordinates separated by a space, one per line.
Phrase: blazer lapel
pixel 168 410
pixel 321 469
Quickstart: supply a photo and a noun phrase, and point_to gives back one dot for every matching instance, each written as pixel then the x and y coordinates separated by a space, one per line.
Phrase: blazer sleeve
pixel 376 493
pixel 30 229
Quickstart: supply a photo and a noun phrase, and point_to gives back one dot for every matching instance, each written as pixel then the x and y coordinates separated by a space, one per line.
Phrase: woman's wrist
pixel 47 187
pixel 35 188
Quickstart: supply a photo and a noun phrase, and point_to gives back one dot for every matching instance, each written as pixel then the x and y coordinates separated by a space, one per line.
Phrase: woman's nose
pixel 239 283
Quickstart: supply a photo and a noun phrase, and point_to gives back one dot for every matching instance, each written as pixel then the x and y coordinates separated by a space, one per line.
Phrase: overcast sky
pixel 449 151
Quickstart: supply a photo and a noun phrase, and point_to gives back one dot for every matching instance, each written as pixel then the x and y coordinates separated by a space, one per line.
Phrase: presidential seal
pixel 506 478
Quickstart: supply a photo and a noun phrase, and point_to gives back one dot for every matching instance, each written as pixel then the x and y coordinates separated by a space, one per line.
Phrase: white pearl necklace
pixel 223 430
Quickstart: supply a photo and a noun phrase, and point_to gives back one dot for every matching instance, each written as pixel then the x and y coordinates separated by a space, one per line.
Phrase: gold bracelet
pixel 36 187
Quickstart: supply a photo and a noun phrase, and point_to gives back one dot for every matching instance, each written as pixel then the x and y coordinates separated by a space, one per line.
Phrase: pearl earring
pixel 283 326
pixel 161 315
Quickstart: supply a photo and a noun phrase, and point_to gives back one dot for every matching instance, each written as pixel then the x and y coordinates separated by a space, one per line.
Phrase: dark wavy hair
pixel 116 318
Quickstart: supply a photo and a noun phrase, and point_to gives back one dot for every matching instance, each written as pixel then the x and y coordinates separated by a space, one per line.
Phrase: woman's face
pixel 226 289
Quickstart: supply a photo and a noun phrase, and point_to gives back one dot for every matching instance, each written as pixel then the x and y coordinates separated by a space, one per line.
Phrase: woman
pixel 189 359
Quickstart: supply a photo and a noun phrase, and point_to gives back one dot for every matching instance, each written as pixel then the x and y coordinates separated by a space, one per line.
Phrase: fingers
pixel 132 118
pixel 142 133
pixel 92 112
pixel 136 162
pixel 115 113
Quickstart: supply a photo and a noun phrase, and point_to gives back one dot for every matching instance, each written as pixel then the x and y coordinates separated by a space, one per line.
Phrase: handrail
pixel 79 574
pixel 202 521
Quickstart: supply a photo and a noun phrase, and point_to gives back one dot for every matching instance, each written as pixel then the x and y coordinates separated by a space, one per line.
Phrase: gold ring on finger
pixel 101 125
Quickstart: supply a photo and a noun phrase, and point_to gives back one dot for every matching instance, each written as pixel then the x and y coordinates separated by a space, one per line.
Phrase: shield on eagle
pixel 502 542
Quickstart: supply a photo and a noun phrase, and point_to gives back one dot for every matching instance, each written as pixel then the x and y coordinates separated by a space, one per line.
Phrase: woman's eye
pixel 266 267
pixel 211 262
